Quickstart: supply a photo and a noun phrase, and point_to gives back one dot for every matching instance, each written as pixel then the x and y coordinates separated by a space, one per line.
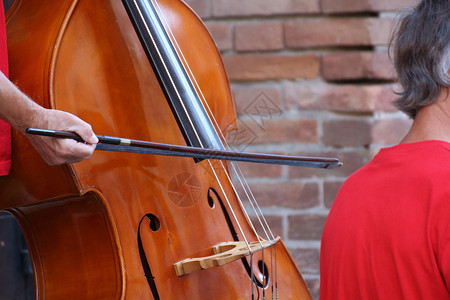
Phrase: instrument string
pixel 271 274
pixel 175 44
pixel 190 120
pixel 253 276
pixel 235 167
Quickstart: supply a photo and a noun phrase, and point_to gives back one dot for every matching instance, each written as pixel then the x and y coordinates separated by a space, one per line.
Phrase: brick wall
pixel 309 77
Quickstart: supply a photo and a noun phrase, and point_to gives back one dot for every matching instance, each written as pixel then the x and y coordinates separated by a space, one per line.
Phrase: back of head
pixel 421 43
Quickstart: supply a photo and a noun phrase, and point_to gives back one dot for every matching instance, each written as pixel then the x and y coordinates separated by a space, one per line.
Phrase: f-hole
pixel 213 197
pixel 154 225
pixel 263 269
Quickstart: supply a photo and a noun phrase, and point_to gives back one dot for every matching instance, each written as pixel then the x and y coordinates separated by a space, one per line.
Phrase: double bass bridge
pixel 223 253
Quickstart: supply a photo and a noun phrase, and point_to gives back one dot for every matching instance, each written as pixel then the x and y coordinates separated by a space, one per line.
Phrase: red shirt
pixel 5 129
pixel 387 235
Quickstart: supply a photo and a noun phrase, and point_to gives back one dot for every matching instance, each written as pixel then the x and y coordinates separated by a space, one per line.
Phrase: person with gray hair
pixel 388 232
pixel 422 55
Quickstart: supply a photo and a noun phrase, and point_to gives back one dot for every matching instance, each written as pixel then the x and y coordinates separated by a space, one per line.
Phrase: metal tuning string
pixel 250 196
pixel 156 7
pixel 152 7
pixel 192 125
pixel 192 77
pixel 165 36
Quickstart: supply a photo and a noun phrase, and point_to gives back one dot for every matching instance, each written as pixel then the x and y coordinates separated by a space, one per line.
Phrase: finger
pixel 72 151
pixel 89 136
pixel 84 130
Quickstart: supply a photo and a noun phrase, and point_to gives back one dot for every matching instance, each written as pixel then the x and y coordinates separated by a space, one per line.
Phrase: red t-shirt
pixel 5 129
pixel 387 235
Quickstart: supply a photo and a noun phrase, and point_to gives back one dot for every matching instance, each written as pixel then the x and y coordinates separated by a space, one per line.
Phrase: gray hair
pixel 421 44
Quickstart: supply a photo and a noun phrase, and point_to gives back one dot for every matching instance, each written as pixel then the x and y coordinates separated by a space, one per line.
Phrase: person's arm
pixel 21 112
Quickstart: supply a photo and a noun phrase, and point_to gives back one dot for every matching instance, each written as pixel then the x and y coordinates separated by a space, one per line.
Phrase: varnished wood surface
pixel 84 57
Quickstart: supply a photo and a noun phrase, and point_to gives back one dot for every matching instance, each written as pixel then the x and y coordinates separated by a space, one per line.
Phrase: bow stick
pixel 109 143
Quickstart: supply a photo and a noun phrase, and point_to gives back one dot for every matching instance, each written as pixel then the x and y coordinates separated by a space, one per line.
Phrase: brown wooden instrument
pixel 118 225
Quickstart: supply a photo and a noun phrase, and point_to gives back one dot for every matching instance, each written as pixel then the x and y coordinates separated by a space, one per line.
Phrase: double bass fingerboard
pixel 186 104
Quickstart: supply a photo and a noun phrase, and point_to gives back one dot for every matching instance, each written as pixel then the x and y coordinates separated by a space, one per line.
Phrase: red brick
pixel 390 131
pixel 241 137
pixel 253 170
pixel 344 6
pixel 291 194
pixel 221 33
pixel 357 66
pixel 389 5
pixel 307 260
pixel 247 97
pixel 330 190
pixel 340 97
pixel 353 160
pixel 313 285
pixel 258 36
pixel 337 32
pixel 275 225
pixel 306 227
pixel 227 8
pixel 274 131
pixel 267 67
pixel 385 98
pixel 201 7
pixel 345 133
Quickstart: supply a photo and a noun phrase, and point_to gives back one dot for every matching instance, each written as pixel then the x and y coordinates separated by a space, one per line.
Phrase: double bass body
pixel 103 228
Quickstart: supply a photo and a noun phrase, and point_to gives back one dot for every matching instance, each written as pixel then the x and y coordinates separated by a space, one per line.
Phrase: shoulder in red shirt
pixel 387 235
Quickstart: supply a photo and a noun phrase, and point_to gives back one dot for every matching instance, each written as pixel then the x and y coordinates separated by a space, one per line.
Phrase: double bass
pixel 127 225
